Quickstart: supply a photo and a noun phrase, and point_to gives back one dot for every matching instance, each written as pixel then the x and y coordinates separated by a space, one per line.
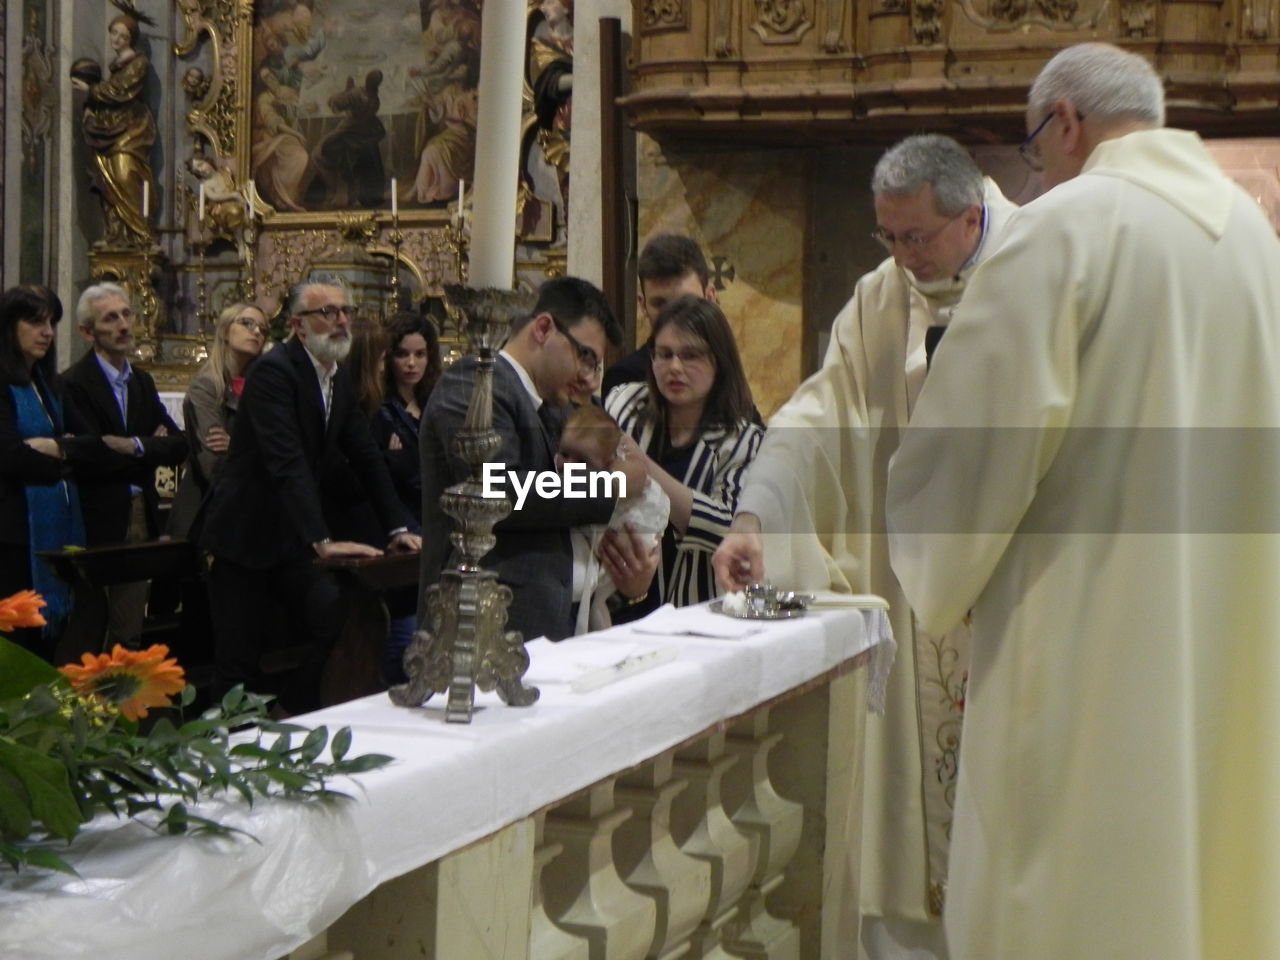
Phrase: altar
pixel 675 791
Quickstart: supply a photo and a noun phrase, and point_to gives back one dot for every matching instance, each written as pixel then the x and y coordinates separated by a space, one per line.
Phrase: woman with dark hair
pixel 210 406
pixel 39 503
pixel 410 370
pixel 692 420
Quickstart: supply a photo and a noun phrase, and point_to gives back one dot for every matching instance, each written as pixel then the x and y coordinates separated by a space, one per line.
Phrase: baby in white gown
pixel 592 437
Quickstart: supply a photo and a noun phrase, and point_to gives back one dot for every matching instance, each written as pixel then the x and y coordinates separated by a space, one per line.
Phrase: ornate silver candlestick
pixel 470 647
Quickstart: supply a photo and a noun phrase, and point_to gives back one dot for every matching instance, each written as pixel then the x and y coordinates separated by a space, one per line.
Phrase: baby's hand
pixel 634 470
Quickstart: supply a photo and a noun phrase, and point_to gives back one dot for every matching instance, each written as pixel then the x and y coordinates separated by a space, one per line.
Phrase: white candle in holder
pixel 146 199
pixel 395 202
pixel 497 168
pixel 250 195
pixel 462 196
pixel 200 217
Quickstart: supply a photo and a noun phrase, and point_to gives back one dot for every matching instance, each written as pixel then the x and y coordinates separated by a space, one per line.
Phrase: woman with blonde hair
pixel 210 406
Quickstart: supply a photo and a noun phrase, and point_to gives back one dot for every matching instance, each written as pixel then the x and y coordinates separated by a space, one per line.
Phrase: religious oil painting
pixel 351 95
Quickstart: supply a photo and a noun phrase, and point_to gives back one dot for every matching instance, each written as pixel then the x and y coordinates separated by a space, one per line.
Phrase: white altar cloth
pixel 142 896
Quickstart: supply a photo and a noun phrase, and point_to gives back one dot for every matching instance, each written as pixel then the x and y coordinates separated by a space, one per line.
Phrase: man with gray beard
pixel 264 525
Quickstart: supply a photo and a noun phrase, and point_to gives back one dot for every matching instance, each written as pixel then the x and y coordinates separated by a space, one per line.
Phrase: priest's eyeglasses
pixel 1029 152
pixel 912 242
pixel 331 312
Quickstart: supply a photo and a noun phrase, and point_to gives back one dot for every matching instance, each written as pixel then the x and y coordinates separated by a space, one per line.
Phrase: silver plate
pixel 786 613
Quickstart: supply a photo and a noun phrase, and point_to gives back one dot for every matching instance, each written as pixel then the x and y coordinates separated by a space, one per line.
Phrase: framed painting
pixel 348 97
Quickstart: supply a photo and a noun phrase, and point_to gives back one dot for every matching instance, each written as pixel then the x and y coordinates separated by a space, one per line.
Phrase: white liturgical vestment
pixel 1093 469
pixel 817 486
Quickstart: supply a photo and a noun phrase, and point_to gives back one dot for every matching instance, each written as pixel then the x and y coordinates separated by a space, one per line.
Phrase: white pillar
pixel 493 223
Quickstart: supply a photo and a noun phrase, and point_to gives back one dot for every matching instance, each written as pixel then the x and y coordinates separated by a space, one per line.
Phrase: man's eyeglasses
pixel 588 359
pixel 331 312
pixel 688 356
pixel 913 242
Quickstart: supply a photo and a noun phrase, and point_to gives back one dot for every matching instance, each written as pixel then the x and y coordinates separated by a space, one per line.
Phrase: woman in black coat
pixel 39 503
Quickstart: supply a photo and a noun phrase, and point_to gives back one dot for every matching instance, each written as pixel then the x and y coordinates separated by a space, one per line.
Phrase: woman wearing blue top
pixel 39 503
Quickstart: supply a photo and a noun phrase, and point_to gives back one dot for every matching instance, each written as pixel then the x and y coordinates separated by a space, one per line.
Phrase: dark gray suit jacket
pixel 104 498
pixel 533 555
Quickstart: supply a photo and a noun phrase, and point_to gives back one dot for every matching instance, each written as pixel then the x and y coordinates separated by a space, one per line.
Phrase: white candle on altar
pixel 395 201
pixel 462 197
pixel 493 221
pixel 200 217
pixel 250 195
pixel 146 199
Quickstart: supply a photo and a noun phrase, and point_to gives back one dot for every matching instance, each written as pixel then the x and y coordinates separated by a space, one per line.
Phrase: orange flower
pixel 133 681
pixel 21 610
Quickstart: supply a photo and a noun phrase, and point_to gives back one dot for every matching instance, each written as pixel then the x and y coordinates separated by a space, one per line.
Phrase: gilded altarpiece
pixel 294 111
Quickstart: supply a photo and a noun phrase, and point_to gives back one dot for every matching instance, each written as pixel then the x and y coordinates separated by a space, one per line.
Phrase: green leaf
pixel 233 698
pixel 254 751
pixel 341 743
pixel 287 778
pixel 199 728
pixel 188 695
pixel 313 745
pixel 20 670
pixel 362 763
pixel 176 819
pixel 163 733
pixel 40 857
pixel 276 726
pixel 15 807
pixel 45 779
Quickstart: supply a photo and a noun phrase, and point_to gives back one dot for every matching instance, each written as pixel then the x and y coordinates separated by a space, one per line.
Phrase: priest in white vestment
pixel 1092 470
pixel 817 490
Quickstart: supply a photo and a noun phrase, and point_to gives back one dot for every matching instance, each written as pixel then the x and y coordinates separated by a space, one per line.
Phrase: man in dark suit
pixel 120 404
pixel 265 526
pixel 545 356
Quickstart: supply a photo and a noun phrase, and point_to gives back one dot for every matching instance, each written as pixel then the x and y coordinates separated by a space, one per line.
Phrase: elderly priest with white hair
pixel 816 490
pixel 1092 469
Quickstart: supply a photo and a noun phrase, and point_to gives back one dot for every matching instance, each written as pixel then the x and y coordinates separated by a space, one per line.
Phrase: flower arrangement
pixel 71 746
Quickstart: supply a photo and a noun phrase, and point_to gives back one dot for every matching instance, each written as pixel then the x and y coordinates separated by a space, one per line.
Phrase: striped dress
pixel 720 459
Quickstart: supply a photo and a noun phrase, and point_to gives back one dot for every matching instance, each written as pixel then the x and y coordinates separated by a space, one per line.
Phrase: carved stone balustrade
pixel 803 71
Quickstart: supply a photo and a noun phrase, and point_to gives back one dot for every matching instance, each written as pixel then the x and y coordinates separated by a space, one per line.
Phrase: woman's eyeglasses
pixel 688 356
